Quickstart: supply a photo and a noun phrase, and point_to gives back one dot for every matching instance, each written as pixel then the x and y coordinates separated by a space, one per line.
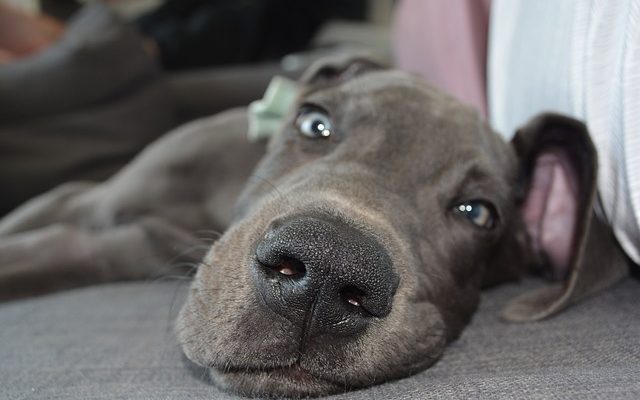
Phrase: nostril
pixel 352 295
pixel 288 266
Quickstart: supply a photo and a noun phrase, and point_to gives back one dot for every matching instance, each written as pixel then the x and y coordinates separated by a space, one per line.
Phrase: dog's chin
pixel 292 381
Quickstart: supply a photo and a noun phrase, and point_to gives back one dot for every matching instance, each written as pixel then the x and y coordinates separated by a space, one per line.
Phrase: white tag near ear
pixel 266 114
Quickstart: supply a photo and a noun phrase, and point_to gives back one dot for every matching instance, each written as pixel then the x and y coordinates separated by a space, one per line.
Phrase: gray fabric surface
pixel 116 341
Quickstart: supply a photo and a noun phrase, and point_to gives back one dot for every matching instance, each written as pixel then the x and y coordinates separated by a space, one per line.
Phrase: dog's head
pixel 360 246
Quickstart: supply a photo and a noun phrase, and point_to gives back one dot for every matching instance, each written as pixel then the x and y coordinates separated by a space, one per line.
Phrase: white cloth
pixel 580 58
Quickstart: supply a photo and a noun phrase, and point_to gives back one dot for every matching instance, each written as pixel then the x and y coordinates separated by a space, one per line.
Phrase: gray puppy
pixel 359 244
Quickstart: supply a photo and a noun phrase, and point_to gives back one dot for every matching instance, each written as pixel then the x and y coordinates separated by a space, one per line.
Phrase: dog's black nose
pixel 324 274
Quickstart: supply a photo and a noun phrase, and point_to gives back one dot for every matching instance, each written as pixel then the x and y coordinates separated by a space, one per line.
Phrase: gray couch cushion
pixel 116 341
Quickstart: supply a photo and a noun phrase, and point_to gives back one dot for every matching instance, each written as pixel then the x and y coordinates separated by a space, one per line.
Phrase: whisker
pixel 171 315
pixel 207 290
pixel 216 234
pixel 168 278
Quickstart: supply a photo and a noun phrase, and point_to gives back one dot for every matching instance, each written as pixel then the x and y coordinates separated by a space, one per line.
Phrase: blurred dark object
pixel 60 9
pixel 199 33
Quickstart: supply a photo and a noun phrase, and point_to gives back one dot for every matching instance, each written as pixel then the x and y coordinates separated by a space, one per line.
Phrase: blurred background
pixel 191 34
pixel 202 33
pixel 85 85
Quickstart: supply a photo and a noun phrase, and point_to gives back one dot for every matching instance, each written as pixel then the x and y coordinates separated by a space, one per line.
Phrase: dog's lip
pixel 293 372
pixel 293 369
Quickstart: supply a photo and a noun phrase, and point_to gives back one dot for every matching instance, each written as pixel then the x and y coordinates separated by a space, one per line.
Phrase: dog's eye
pixel 314 124
pixel 479 212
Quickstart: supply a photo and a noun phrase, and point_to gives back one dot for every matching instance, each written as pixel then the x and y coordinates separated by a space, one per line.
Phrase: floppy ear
pixel 559 171
pixel 336 69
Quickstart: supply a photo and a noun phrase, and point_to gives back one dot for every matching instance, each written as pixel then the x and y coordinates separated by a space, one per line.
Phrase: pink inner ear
pixel 550 208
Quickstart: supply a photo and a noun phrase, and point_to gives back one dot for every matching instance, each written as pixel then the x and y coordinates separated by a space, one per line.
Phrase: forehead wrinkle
pixel 381 80
pixel 338 103
pixel 367 83
pixel 469 173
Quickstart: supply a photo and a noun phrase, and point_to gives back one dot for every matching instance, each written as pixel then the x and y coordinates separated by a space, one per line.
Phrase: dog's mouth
pixel 294 371
pixel 290 380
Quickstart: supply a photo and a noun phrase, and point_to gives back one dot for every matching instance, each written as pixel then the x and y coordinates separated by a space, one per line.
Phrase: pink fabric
pixel 446 42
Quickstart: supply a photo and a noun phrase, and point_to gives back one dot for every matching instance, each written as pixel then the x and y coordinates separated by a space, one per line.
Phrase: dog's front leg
pixel 61 257
pixel 54 206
